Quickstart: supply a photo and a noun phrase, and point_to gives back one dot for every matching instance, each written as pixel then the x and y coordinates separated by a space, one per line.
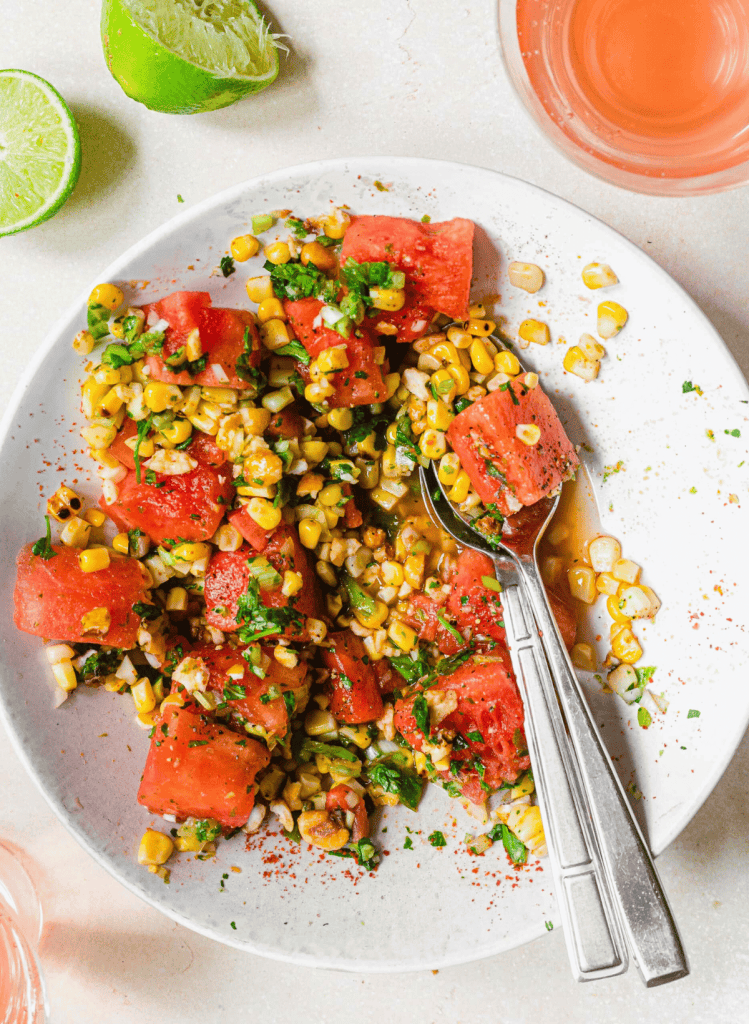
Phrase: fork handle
pixel 648 923
pixel 594 942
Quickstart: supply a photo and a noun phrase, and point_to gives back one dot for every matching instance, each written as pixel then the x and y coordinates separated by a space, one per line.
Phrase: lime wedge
pixel 40 152
pixel 188 56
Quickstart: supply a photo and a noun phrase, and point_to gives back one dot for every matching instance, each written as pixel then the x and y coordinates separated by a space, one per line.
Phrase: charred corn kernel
pixel 255 421
pixel 177 432
pixel 292 583
pixel 191 552
pixel 439 416
pixel 341 419
pixel 317 393
pixel 376 619
pixel 459 337
pixel 274 334
pixel 527 276
pixel 94 559
pixel 259 288
pixel 309 533
pixel 244 247
pixel 480 328
pixel 528 433
pixel 98 620
pixel 582 583
pixel 413 570
pixel 65 676
pixel 142 694
pixel 599 275
pixel 449 468
pixel 262 469
pixel 330 495
pixel 591 348
pixel 575 361
pixel 83 343
pixel 64 503
pixel 583 657
pixel 432 443
pixel 626 646
pixel 107 295
pixel 314 450
pixel 459 490
pixel 402 635
pixel 336 223
pixel 177 599
pixel 626 571
pixel 334 358
pixel 155 848
pixel 265 515
pixel 277 252
pixel 390 299
pixel 477 311
pixel 159 397
pixel 611 318
pixel 482 361
pixel 318 256
pixel 319 829
pixel 112 401
pixel 534 331
pixel 92 393
pixel 391 573
pixel 606 584
pixel 270 309
pixel 121 544
pixel 507 362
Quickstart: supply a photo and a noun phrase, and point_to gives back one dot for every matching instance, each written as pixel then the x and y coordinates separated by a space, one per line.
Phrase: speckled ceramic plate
pixel 678 504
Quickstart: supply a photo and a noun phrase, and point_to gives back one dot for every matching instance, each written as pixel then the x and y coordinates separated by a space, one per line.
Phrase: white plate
pixel 426 908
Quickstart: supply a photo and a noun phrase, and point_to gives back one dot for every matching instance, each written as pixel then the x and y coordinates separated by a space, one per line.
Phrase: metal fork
pixel 605 880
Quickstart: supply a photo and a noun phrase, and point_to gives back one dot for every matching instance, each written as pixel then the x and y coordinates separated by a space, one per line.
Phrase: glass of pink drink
pixel 22 996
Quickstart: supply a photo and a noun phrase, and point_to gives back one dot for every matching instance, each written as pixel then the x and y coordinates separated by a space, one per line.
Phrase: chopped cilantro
pixel 392 779
pixel 686 387
pixel 733 433
pixel 146 611
pixel 516 851
pixel 408 845
pixel 144 427
pixel 475 736
pixel 692 713
pixel 450 628
pixel 296 350
pixel 227 266
pixel 294 281
pixel 233 691
pixel 296 227
pixel 257 621
pixel 43 547
pixel 290 701
pixel 420 711
pixel 437 839
pixel 644 718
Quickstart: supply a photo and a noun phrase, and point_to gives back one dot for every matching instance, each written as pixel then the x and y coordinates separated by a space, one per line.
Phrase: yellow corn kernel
pixel 459 337
pixel 527 276
pixel 270 309
pixel 390 299
pixel 482 361
pixel 449 468
pixel 259 288
pixel 317 630
pixel 193 345
pixel 445 352
pixel 528 433
pixel 265 515
pixel 336 223
pixel 477 311
pixel 107 295
pixel 97 621
pixel 244 247
pixel 582 583
pixel 314 450
pixel 583 657
pixel 318 256
pixel 177 432
pixel 575 361
pixel 92 392
pixel 224 397
pixel 191 552
pixel 83 343
pixel 121 544
pixel 626 646
pixel 142 694
pixel 256 421
pixel 369 446
pixel 309 533
pixel 391 573
pixel 262 469
pixel 480 328
pixel 158 396
pixel 443 384
pixel 111 402
pixel 334 358
pixel 418 427
pixel 64 503
pixel 341 419
pixel 64 674
pixel 534 331
pixel 292 583
pixel 626 571
pixel 607 584
pixel 318 392
pixel 439 416
pixel 330 494
pixel 459 490
pixel 173 698
pixel 177 600
pixel 413 570
pixel 591 348
pixel 94 559
pixel 188 844
pixel 598 275
pixel 507 362
pixel 277 252
pixel 95 516
pixel 376 619
pixel 402 635
pixel 616 613
pixel 274 334
pixel 611 318
pixel 100 434
pixel 432 443
pixel 155 848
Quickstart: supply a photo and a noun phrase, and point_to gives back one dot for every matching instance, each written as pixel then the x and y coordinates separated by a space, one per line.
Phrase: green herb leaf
pixel 693 714
pixel 420 712
pixel 437 839
pixel 450 628
pixel 144 428
pixel 146 611
pixel 227 266
pixel 392 779
pixel 43 547
pixel 644 718
pixel 296 350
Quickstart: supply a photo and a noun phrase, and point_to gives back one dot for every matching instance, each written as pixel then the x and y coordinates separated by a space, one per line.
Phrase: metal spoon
pixel 592 787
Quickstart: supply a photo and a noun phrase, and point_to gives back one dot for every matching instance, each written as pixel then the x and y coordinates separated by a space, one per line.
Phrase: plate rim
pixel 367 164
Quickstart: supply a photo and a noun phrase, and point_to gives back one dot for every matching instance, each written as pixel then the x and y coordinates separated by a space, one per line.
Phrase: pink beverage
pixel 654 87
pixel 22 997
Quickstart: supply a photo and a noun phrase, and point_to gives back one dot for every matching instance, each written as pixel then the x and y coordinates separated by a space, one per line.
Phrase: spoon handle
pixel 594 941
pixel 648 923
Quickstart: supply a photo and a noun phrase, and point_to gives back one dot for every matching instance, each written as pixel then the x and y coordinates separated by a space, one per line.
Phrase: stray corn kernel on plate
pixel 270 696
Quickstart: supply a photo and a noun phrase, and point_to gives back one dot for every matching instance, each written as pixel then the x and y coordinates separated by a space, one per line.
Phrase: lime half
pixel 188 56
pixel 40 152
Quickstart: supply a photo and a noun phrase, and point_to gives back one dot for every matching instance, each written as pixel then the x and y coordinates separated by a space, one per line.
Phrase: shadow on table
pixel 107 155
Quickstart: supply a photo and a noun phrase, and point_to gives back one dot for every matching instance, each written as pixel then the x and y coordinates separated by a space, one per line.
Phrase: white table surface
pixel 405 77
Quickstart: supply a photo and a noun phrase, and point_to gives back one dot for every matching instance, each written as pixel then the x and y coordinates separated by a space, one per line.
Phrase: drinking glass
pixel 22 994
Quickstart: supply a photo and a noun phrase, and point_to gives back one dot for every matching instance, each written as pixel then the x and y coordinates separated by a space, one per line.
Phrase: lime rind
pixel 228 38
pixel 40 151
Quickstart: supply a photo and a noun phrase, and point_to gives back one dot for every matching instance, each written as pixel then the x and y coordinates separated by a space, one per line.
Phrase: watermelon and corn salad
pixel 260 576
